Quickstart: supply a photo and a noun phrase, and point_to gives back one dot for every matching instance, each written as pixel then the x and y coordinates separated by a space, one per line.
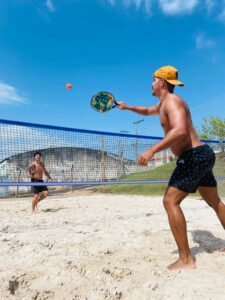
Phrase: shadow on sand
pixel 47 210
pixel 206 241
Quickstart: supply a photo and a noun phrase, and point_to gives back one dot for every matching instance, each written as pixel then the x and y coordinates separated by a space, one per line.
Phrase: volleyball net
pixel 84 157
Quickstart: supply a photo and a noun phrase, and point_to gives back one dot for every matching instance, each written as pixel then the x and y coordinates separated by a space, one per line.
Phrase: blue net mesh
pixel 84 157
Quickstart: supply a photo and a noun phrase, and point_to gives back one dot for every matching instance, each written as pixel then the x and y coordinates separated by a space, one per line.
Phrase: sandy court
pixel 98 246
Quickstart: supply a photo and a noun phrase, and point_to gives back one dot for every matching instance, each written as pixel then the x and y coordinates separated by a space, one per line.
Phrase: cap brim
pixel 175 82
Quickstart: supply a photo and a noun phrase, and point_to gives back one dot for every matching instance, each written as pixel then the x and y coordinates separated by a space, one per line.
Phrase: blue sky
pixel 112 45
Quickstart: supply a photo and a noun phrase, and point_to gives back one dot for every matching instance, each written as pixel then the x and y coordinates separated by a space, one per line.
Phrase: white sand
pixel 106 247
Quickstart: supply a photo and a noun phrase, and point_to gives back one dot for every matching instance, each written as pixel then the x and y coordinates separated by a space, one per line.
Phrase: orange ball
pixel 69 86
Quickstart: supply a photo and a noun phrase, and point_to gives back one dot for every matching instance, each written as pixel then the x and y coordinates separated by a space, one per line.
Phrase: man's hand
pixel 145 157
pixel 122 105
pixel 32 170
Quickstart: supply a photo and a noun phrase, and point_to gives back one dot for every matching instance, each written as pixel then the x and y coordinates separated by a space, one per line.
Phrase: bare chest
pixel 39 168
pixel 164 121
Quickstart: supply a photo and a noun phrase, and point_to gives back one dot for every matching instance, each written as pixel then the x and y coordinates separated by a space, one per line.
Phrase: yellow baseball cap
pixel 169 74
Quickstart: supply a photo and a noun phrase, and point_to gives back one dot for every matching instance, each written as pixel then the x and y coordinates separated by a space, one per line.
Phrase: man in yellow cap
pixel 194 164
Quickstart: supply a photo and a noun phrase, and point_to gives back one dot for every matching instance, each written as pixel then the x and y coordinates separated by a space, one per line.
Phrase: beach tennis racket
pixel 103 102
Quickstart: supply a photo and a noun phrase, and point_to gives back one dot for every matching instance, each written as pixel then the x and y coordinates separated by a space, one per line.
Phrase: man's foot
pixel 34 209
pixel 179 264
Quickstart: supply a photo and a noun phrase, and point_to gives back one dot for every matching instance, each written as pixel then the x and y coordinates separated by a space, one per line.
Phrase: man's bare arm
pixel 141 110
pixel 46 172
pixel 177 117
pixel 31 170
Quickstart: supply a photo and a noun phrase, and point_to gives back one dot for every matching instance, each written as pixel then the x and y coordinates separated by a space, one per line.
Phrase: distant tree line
pixel 213 128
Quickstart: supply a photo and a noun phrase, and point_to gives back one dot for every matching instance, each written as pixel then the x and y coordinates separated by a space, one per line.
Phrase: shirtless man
pixel 194 164
pixel 36 170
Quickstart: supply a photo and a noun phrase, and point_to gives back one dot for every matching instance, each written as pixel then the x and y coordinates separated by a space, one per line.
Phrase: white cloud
pixel 148 7
pixel 203 42
pixel 9 95
pixel 221 16
pixel 169 7
pixel 50 5
pixel 146 4
pixel 176 7
pixel 210 4
pixel 112 2
pixel 173 7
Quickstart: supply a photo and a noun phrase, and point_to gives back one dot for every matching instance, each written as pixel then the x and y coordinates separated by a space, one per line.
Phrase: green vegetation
pixel 133 189
pixel 213 128
pixel 162 172
pixel 219 168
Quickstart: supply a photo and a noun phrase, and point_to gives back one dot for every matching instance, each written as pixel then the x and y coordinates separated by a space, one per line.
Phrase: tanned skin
pixel 180 136
pixel 39 170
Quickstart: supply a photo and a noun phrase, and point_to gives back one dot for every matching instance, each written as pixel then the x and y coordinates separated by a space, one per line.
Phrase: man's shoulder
pixel 175 99
pixel 174 102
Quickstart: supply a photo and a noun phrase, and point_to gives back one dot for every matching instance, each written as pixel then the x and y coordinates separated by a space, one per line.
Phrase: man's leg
pixel 35 202
pixel 171 202
pixel 43 195
pixel 210 195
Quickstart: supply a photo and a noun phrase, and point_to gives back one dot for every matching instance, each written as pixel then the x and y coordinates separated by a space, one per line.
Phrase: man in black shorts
pixel 194 164
pixel 194 169
pixel 36 170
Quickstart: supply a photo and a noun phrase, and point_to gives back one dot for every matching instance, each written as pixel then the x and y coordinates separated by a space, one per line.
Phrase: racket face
pixel 103 102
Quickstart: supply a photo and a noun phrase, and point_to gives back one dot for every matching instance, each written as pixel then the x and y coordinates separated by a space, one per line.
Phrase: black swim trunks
pixel 194 169
pixel 38 189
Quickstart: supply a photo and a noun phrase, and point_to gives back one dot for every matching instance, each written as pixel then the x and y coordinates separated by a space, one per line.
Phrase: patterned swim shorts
pixel 194 169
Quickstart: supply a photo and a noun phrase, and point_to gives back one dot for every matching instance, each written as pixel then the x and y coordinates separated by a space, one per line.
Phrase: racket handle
pixel 116 104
